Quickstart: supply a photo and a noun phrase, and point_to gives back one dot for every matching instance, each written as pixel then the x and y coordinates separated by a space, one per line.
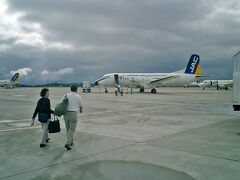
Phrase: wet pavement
pixel 175 134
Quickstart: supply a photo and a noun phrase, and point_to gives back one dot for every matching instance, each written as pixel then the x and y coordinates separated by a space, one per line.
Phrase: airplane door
pixel 116 79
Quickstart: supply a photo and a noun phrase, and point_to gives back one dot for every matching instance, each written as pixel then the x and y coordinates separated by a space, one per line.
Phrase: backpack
pixel 61 108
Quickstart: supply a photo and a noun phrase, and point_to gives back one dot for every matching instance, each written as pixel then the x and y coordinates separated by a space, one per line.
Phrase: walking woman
pixel 44 111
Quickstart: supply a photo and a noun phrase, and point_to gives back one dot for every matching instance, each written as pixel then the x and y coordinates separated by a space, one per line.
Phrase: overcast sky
pixel 76 40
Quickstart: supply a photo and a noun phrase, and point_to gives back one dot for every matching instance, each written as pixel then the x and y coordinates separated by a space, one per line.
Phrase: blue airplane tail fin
pixel 193 66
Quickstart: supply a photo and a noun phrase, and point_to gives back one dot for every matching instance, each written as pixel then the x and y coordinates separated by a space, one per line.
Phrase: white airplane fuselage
pixel 9 84
pixel 192 73
pixel 142 79
pixel 223 84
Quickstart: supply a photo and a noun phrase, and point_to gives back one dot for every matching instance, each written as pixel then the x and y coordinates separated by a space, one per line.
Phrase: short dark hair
pixel 74 87
pixel 43 92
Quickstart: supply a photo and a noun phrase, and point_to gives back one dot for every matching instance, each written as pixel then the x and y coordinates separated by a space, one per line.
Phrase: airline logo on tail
pixel 15 77
pixel 193 66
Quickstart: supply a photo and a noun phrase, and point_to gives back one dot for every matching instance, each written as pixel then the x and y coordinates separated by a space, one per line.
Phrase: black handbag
pixel 54 126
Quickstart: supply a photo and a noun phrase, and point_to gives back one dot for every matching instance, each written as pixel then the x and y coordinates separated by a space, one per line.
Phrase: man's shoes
pixel 67 146
pixel 42 145
pixel 72 144
pixel 47 140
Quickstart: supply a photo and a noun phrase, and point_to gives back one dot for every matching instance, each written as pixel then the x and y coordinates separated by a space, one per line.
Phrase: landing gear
pixel 106 91
pixel 153 91
pixel 142 90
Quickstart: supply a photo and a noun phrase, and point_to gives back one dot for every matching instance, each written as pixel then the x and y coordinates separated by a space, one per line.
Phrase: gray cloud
pixel 101 36
pixel 56 75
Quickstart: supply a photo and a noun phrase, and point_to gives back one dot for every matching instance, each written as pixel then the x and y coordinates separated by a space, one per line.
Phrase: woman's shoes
pixel 67 146
pixel 47 140
pixel 42 145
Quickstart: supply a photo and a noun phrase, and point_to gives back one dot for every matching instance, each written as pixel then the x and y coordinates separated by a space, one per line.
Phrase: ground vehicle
pixel 86 87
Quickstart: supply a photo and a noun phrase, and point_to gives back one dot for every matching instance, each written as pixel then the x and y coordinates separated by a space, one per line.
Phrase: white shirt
pixel 74 101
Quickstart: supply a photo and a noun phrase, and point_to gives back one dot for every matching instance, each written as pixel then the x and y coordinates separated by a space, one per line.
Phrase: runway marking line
pixel 22 128
pixel 89 113
pixel 92 119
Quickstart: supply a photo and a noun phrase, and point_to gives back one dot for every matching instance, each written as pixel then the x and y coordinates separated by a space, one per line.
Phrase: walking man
pixel 70 117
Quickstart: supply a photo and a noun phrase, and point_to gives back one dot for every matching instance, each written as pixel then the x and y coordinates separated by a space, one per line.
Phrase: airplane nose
pixel 99 81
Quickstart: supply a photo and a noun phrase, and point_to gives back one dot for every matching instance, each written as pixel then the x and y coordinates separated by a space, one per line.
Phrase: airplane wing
pixel 163 80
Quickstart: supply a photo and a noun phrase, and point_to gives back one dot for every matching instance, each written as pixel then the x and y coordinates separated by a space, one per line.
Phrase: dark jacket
pixel 43 106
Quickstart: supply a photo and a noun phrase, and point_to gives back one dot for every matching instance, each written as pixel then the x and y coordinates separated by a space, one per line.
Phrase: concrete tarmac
pixel 175 134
